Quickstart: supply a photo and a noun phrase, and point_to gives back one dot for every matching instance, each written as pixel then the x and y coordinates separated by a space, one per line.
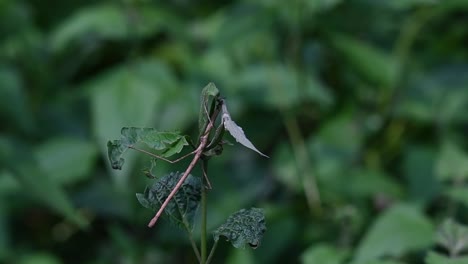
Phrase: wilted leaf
pixel 171 142
pixel 436 258
pixel 399 230
pixel 453 237
pixel 237 132
pixel 244 226
pixel 183 206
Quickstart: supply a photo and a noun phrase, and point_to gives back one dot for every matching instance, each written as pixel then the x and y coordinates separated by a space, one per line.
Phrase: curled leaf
pixel 170 142
pixel 237 132
pixel 244 226
pixel 183 207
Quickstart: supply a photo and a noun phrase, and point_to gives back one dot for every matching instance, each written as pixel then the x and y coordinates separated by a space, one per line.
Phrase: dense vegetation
pixel 360 104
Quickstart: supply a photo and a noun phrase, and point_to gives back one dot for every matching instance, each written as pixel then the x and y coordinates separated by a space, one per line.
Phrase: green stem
pixel 213 249
pixel 203 223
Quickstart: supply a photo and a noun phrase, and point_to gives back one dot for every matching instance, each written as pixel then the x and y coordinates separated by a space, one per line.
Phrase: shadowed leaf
pixel 244 226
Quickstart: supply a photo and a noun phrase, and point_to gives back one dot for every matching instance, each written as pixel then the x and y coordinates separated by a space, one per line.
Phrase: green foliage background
pixel 360 104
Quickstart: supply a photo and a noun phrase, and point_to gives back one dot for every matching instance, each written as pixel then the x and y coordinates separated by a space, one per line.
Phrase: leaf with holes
pixel 170 142
pixel 237 132
pixel 244 226
pixel 183 207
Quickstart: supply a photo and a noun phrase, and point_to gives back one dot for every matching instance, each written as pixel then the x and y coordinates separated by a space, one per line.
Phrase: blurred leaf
pixel 324 254
pixel 34 181
pixel 13 100
pixel 399 230
pixel 183 206
pixel 39 258
pixel 452 163
pixel 437 95
pixel 458 194
pixel 453 237
pixel 408 4
pixel 368 183
pixel 418 166
pixel 373 64
pixel 436 258
pixel 110 21
pixel 5 233
pixel 59 157
pixel 170 142
pixel 240 257
pixel 237 132
pixel 281 86
pixel 129 96
pixel 244 226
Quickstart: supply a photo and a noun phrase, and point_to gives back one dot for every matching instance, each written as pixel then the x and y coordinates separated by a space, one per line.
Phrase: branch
pixel 198 155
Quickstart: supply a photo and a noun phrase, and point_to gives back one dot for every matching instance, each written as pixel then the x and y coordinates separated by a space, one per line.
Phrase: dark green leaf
pixel 210 92
pixel 436 258
pixel 372 63
pixel 171 142
pixel 244 226
pixel 183 206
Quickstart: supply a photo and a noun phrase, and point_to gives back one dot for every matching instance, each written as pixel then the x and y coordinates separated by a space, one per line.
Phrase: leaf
pixel 452 163
pixel 372 63
pixel 171 142
pixel 436 258
pixel 20 161
pixel 237 132
pixel 323 254
pixel 453 237
pixel 209 92
pixel 399 230
pixel 58 159
pixel 459 194
pixel 244 226
pixel 183 207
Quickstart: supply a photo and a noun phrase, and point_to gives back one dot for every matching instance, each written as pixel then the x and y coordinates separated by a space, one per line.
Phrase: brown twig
pixel 198 155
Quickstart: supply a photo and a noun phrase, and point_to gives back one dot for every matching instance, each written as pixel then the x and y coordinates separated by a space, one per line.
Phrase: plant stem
pixel 213 249
pixel 203 223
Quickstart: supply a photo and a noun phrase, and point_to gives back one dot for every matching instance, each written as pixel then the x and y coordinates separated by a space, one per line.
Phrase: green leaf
pixel 210 92
pixel 183 206
pixel 459 194
pixel 58 159
pixel 20 161
pixel 436 258
pixel 324 254
pixel 452 236
pixel 372 63
pixel 171 142
pixel 237 132
pixel 399 230
pixel 244 226
pixel 452 163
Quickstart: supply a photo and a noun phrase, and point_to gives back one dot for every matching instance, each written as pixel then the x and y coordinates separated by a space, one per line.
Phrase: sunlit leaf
pixel 237 132
pixel 183 206
pixel 171 142
pixel 246 226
